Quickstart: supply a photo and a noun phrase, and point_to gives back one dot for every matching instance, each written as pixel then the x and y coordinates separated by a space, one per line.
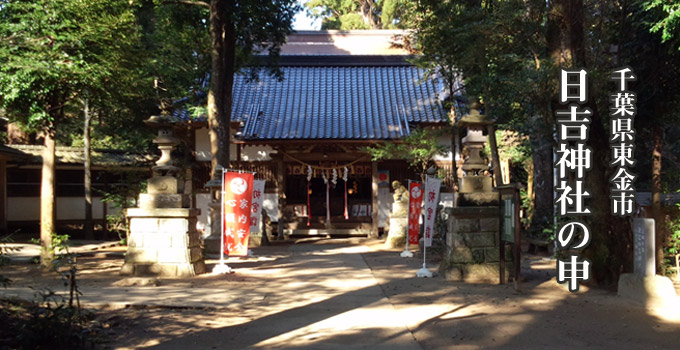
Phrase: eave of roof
pixel 75 156
pixel 9 153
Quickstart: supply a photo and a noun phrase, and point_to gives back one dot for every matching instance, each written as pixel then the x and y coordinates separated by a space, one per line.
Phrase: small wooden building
pixel 22 180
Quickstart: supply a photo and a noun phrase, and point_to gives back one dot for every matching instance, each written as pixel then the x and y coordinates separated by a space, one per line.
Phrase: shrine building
pixel 341 92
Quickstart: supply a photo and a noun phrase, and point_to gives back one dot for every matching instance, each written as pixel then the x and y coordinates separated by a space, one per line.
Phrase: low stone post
pixel 396 236
pixel 643 285
pixel 644 257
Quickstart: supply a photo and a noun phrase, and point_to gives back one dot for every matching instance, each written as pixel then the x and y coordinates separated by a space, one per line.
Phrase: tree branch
pixel 187 2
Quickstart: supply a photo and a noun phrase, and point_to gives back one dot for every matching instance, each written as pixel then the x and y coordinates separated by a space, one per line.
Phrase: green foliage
pixel 498 47
pixel 669 23
pixel 347 14
pixel 673 244
pixel 64 263
pixel 56 50
pixel 123 196
pixel 49 323
pixel 4 260
pixel 419 149
pixel 398 14
pixel 514 147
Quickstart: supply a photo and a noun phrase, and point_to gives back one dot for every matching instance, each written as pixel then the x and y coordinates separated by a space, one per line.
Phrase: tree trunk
pixel 542 157
pixel 367 9
pixel 87 181
pixel 223 39
pixel 610 248
pixel 530 189
pixel 47 199
pixel 657 214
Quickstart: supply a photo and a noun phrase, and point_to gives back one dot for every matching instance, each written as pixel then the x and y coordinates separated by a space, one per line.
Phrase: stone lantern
pixel 163 239
pixel 472 251
pixel 476 187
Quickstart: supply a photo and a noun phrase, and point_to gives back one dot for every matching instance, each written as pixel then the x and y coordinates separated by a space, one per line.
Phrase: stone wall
pixel 472 251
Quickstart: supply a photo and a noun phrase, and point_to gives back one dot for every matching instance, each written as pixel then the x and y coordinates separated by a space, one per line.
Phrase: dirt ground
pixel 351 294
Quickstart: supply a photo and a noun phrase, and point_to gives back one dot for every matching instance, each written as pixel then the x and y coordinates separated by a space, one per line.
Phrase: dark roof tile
pixel 336 102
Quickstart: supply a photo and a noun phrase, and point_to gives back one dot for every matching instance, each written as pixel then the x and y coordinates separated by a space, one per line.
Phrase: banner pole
pixel 406 253
pixel 425 272
pixel 222 220
pixel 222 268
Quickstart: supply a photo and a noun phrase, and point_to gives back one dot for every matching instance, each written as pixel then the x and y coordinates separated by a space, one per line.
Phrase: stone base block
pixel 211 244
pixel 162 201
pixel 396 237
pixel 474 273
pixel 651 291
pixel 163 242
pixel 479 199
pixel 476 184
pixel 256 240
pixel 162 184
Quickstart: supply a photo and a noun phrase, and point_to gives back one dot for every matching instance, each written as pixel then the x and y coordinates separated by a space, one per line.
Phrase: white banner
pixel 431 200
pixel 256 207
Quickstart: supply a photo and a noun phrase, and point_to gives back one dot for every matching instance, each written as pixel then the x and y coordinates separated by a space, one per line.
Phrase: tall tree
pixel 509 54
pixel 499 48
pixel 658 113
pixel 52 51
pixel 363 14
pixel 238 30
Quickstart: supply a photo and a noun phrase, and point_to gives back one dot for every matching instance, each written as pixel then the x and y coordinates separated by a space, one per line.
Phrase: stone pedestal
pixel 396 236
pixel 211 244
pixel 163 242
pixel 472 252
pixel 644 285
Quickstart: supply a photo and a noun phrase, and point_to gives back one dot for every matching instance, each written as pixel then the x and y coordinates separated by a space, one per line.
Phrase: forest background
pixel 66 61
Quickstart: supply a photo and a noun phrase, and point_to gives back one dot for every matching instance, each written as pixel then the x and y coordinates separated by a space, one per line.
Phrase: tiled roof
pixel 11 153
pixel 75 156
pixel 358 102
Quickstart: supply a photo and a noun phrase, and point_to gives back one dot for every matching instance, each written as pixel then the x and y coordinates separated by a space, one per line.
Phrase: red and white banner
pixel 236 209
pixel 432 186
pixel 415 202
pixel 256 204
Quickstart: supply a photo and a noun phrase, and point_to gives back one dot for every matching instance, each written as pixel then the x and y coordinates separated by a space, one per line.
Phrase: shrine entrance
pixel 325 200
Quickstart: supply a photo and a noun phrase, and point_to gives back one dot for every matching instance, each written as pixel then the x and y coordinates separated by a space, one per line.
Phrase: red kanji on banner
pixel 238 192
pixel 415 201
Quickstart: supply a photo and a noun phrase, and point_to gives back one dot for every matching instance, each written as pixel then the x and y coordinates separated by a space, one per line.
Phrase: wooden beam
pixel 329 157
pixel 281 190
pixel 374 203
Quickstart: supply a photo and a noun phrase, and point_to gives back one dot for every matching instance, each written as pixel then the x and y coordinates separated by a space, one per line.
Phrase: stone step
pixel 325 232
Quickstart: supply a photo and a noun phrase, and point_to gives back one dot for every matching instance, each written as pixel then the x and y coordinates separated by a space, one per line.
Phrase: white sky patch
pixel 303 22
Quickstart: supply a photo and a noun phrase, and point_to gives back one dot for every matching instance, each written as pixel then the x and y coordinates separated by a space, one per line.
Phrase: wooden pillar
pixel 374 203
pixel 3 196
pixel 281 190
